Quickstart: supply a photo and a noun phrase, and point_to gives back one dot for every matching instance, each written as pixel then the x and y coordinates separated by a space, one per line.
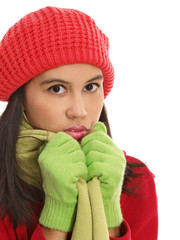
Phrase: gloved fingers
pixel 100 136
pixel 105 165
pixel 62 143
pixel 94 170
pixel 80 171
pixel 108 156
pixel 61 139
pixel 61 163
pixel 99 126
pixel 97 146
pixel 65 175
pixel 93 156
pixel 112 177
pixel 69 147
pixel 104 172
pixel 74 157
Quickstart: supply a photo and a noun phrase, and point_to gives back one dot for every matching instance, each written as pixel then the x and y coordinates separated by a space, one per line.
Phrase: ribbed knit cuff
pixel 113 213
pixel 55 215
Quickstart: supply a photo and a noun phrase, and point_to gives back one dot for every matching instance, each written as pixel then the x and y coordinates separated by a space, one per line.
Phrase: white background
pixel 144 104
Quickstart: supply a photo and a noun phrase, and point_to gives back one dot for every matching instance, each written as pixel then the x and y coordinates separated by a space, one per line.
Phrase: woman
pixel 56 152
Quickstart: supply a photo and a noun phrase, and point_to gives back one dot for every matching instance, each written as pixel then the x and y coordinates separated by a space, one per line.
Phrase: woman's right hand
pixel 62 162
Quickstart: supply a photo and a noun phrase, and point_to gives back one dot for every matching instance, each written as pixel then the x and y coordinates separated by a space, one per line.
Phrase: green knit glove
pixel 106 161
pixel 62 162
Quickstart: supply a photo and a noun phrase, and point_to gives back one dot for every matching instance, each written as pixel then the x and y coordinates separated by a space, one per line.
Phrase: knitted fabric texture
pixel 90 220
pixel 48 38
pixel 27 151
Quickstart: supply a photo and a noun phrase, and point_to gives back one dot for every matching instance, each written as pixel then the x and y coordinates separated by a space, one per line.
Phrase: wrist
pixel 113 213
pixel 56 215
pixel 53 234
pixel 114 232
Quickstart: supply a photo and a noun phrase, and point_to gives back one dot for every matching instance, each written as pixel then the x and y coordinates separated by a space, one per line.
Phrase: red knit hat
pixel 48 38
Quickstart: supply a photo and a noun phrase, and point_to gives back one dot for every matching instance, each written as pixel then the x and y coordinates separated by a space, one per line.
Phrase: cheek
pixel 95 108
pixel 95 115
pixel 41 114
pixel 98 110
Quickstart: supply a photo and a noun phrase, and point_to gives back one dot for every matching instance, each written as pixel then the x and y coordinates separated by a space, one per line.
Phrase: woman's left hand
pixel 106 161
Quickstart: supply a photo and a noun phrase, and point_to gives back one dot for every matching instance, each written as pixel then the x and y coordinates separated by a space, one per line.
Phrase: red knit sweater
pixel 139 213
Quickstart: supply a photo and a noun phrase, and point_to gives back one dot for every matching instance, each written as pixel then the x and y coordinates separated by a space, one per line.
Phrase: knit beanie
pixel 48 38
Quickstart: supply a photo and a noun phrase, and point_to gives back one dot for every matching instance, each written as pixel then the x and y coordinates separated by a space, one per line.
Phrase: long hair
pixel 130 173
pixel 16 196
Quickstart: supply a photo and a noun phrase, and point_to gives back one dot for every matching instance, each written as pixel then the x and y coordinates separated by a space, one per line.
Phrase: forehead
pixel 71 71
pixel 73 74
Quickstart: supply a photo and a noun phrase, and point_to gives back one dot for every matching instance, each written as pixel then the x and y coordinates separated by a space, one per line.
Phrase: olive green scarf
pixel 90 221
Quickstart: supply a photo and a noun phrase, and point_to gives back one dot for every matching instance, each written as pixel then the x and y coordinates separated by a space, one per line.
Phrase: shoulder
pixel 138 180
pixel 139 167
pixel 140 209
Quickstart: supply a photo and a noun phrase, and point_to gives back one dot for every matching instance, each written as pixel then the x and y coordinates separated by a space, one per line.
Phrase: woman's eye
pixel 91 87
pixel 57 89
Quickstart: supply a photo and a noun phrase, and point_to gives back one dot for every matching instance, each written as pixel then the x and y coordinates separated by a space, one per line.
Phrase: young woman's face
pixel 67 98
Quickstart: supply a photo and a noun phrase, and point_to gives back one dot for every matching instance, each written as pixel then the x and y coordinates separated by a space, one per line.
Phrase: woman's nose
pixel 77 108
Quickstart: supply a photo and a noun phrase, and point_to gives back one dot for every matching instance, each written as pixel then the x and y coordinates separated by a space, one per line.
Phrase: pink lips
pixel 77 132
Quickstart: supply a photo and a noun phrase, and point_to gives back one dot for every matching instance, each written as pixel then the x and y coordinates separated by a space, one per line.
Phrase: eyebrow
pixel 57 80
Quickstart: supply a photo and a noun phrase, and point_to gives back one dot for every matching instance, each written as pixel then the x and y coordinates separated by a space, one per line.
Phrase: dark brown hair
pixel 131 167
pixel 16 196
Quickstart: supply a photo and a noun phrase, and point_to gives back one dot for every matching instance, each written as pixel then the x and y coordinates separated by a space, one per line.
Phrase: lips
pixel 77 132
